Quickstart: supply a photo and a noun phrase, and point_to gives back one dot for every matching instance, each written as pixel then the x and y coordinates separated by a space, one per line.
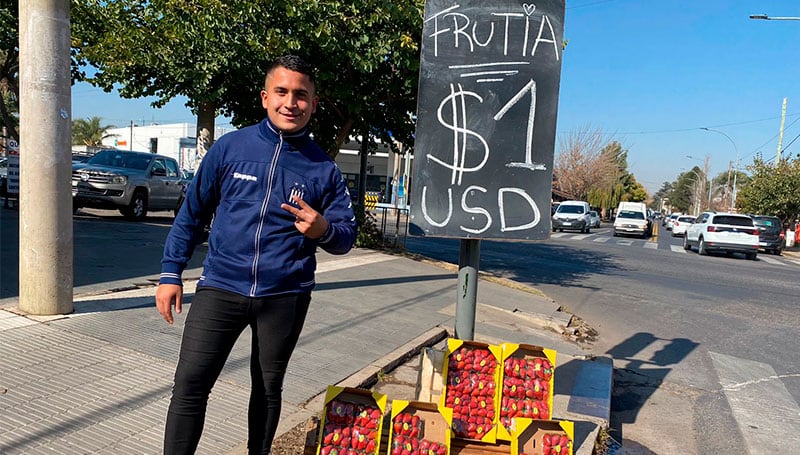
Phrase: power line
pixel 599 2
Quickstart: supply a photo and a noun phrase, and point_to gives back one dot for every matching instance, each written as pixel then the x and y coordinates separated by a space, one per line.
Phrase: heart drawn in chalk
pixel 529 8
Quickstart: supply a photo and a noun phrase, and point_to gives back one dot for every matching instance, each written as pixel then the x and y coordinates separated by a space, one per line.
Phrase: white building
pixel 176 140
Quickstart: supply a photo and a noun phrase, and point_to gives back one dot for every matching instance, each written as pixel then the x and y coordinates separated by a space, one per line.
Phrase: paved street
pixel 699 341
pixel 97 381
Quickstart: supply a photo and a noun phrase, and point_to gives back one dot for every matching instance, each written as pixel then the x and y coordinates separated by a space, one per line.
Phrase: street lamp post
pixel 733 192
pixel 697 191
pixel 774 18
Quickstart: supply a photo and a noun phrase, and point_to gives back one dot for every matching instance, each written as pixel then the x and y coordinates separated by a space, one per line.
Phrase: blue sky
pixel 647 73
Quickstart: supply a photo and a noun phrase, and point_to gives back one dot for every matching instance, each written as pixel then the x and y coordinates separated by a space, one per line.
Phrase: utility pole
pixel 45 199
pixel 780 132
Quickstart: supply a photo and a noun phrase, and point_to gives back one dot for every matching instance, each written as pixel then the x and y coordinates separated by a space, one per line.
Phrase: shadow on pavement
pixel 531 263
pixel 637 380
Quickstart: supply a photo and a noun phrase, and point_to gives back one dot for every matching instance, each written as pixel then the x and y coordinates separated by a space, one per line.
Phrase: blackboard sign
pixel 486 119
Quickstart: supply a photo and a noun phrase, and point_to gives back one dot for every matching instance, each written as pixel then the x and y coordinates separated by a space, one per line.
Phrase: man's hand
pixel 307 220
pixel 166 295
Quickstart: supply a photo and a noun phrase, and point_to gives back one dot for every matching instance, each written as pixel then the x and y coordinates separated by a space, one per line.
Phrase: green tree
pixel 215 52
pixel 773 189
pixel 683 194
pixel 661 197
pixel 89 132
pixel 9 67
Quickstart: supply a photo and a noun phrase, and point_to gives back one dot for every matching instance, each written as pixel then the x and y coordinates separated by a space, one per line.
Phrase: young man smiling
pixel 275 197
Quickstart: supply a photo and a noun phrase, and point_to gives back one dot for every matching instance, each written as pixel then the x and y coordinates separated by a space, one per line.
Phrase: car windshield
pixel 631 215
pixel 115 158
pixel 570 209
pixel 733 220
pixel 686 219
pixel 768 222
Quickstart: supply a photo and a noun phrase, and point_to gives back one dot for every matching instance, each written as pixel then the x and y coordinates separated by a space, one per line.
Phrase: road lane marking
pixel 601 239
pixel 651 245
pixel 770 260
pixel 558 235
pixel 767 415
pixel 625 242
pixel 677 249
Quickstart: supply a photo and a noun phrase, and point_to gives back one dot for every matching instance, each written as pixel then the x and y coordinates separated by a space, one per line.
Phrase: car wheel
pixel 686 245
pixel 137 210
pixel 588 229
pixel 777 252
pixel 751 256
pixel 701 247
pixel 75 207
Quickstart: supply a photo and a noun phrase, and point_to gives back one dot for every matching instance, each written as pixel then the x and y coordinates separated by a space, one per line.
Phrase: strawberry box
pixel 471 374
pixel 352 422
pixel 526 385
pixel 419 428
pixel 542 437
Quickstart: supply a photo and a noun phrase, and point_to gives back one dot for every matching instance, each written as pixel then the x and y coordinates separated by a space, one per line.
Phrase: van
pixel 632 219
pixel 572 215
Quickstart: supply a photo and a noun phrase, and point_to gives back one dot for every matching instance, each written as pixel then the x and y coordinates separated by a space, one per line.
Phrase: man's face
pixel 289 99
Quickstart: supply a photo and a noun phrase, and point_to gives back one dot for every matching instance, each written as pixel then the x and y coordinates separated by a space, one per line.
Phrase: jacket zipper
pixel 264 204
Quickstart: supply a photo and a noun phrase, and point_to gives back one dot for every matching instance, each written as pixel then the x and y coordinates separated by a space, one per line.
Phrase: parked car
pixel 80 158
pixel 133 182
pixel 671 219
pixel 572 215
pixel 632 219
pixel 594 219
pixel 770 233
pixel 680 225
pixel 723 232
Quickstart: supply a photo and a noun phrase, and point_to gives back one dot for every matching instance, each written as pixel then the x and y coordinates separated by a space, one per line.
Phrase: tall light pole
pixel 774 18
pixel 697 191
pixel 733 193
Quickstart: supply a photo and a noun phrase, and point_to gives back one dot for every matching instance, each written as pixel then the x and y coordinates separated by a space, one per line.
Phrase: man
pixel 275 196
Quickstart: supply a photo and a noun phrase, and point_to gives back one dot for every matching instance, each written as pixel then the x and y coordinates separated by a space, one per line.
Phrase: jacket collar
pixel 270 130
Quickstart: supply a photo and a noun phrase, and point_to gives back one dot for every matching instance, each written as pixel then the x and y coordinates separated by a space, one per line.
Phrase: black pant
pixel 216 319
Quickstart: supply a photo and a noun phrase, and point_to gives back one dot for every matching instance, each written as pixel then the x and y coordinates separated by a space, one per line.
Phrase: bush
pixel 369 236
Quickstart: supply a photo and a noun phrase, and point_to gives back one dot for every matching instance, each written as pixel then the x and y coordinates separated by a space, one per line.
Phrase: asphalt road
pixel 109 251
pixel 703 345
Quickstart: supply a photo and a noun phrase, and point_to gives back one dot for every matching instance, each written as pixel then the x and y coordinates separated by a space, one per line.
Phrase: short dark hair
pixel 293 63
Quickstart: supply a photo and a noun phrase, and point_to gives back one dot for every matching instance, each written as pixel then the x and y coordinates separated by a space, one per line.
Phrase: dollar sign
pixel 458 110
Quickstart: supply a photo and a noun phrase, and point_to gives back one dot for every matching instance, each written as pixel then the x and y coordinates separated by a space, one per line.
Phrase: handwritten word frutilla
pixel 456 28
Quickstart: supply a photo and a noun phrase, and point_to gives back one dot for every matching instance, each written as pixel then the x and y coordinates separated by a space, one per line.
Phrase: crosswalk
pixel 602 237
pixel 766 413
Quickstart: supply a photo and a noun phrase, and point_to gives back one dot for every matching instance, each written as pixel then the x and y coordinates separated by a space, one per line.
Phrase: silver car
pixel 132 182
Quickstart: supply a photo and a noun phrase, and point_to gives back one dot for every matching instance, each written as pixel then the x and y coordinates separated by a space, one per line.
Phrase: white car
pixel 572 215
pixel 594 218
pixel 671 219
pixel 724 232
pixel 632 219
pixel 680 225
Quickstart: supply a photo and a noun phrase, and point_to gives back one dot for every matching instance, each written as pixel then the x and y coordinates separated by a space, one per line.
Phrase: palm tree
pixel 89 132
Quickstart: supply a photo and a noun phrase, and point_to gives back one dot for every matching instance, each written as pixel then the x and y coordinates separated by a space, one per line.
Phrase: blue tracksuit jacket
pixel 254 248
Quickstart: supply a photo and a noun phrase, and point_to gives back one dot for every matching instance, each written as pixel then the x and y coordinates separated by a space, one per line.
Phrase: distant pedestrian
pixel 275 196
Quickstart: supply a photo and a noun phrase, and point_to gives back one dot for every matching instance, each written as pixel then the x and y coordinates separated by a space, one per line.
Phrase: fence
pixel 393 224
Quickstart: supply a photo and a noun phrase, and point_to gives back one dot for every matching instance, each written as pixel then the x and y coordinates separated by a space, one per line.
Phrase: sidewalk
pixel 98 381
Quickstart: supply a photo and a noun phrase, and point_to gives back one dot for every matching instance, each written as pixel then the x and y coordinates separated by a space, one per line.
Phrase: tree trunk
pixel 206 115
